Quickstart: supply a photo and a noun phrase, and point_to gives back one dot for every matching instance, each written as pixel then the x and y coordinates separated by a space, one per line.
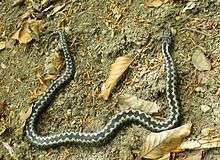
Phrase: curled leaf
pixel 159 144
pixel 117 69
pixel 29 30
pixel 126 101
pixel 23 34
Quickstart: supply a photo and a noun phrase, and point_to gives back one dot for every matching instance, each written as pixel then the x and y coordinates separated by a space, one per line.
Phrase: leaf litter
pixel 157 145
pixel 116 71
pixel 29 30
pixel 128 101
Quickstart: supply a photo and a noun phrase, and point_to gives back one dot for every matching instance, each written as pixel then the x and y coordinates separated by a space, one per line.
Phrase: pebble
pixel 200 61
pixel 205 108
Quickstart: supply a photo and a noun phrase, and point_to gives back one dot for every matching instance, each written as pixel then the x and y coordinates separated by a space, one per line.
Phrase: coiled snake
pixel 119 119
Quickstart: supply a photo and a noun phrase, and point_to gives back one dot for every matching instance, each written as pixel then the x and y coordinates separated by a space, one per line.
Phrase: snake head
pixel 167 36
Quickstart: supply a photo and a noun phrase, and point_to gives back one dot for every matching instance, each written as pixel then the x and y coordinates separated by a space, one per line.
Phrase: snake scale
pixel 130 115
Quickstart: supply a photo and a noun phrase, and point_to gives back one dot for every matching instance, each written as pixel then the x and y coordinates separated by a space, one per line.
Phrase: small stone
pixel 200 61
pixel 205 108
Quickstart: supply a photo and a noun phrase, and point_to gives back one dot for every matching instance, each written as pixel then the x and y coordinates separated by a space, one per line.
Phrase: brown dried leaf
pixel 35 94
pixel 49 77
pixel 57 9
pixel 23 116
pixel 165 157
pixel 36 26
pixel 155 3
pixel 23 34
pixel 27 30
pixel 200 61
pixel 159 144
pixel 126 101
pixel 202 143
pixel 195 156
pixel 54 63
pixel 117 69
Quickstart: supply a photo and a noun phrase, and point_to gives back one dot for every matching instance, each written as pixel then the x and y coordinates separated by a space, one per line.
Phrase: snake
pixel 124 117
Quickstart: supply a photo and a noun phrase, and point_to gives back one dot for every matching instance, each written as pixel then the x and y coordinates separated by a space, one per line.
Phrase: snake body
pixel 119 119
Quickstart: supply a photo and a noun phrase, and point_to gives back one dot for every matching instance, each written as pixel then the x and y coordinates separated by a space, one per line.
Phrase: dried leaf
pixel 117 69
pixel 193 144
pixel 49 77
pixel 210 143
pixel 200 61
pixel 155 3
pixel 195 156
pixel 23 34
pixel 36 27
pixel 57 9
pixel 35 94
pixel 165 157
pixel 23 116
pixel 54 63
pixel 130 101
pixel 2 45
pixel 202 143
pixel 159 144
pixel 28 30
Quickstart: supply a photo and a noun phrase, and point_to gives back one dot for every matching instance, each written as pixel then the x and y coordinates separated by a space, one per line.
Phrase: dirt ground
pixel 99 31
